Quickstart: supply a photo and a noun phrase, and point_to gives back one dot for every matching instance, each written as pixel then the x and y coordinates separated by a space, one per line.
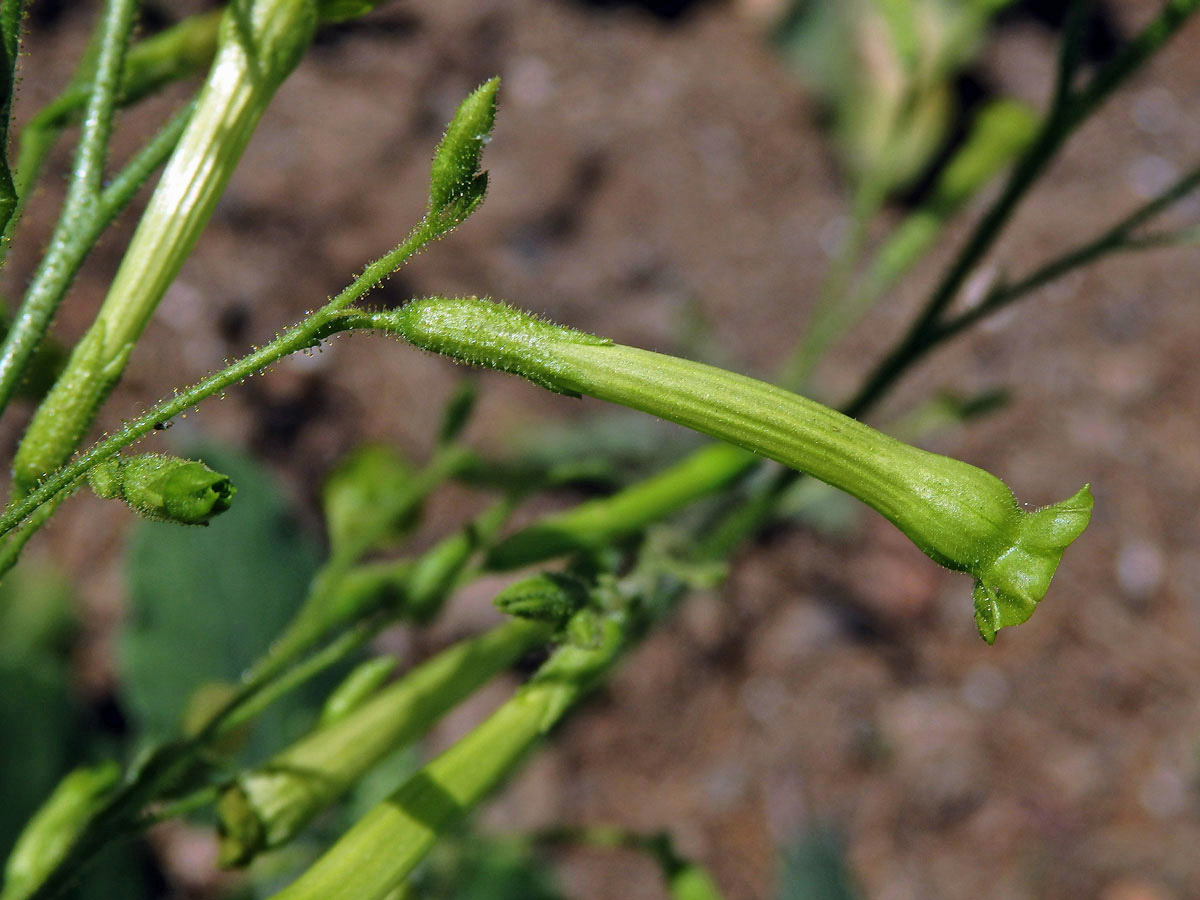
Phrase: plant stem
pixel 80 213
pixel 173 54
pixel 1117 239
pixel 308 333
pixel 260 42
pixel 1069 110
pixel 326 607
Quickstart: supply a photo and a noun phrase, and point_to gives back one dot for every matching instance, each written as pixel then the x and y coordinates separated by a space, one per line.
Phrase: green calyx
pixel 165 488
pixel 492 335
pixel 960 516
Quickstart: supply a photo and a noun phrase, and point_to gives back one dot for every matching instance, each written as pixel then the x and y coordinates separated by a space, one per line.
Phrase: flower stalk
pixel 960 516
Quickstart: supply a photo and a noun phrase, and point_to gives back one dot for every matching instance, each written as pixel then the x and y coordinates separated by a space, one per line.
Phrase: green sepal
pixel 164 488
pixel 456 184
pixel 482 332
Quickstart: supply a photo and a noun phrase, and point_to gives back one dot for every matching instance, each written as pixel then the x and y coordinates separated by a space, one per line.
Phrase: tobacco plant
pixel 614 567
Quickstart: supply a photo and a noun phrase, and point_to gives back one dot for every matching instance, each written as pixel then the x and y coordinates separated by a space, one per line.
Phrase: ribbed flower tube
pixel 266 807
pixel 374 857
pixel 259 43
pixel 960 516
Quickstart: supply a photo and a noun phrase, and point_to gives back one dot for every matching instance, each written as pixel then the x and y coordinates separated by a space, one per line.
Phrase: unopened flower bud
pixel 166 488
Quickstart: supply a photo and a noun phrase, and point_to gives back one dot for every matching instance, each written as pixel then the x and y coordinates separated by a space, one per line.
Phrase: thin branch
pixel 102 102
pixel 1117 239
pixel 1061 122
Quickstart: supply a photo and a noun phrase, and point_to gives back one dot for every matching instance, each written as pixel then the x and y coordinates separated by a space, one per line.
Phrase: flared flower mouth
pixel 1009 587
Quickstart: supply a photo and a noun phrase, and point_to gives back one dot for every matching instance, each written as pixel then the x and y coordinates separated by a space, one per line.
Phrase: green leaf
pixel 36 729
pixel 207 603
pixel 37 617
pixel 456 185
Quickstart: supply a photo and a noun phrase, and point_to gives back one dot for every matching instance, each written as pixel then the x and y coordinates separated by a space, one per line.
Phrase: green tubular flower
pixel 259 43
pixel 960 516
pixel 267 807
pixel 166 488
pixel 375 856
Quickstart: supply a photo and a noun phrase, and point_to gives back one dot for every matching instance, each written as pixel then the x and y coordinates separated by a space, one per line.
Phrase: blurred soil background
pixel 660 176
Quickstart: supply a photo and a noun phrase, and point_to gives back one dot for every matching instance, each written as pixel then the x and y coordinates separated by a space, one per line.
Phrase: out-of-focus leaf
pixel 373 481
pixel 480 869
pixel 815 868
pixel 37 722
pixel 457 412
pixel 36 614
pixel 206 603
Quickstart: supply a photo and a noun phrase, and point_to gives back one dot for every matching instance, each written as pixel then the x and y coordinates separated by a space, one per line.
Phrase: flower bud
pixel 456 186
pixel 551 597
pixel 166 488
